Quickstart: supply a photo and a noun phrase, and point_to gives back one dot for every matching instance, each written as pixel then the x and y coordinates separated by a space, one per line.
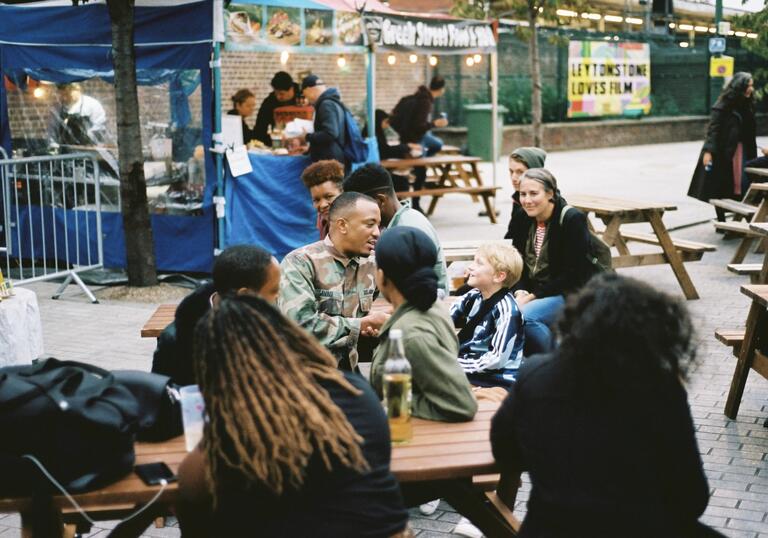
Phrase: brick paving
pixel 734 452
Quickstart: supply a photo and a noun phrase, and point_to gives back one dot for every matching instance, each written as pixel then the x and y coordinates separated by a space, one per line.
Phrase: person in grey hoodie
pixel 521 160
pixel 329 136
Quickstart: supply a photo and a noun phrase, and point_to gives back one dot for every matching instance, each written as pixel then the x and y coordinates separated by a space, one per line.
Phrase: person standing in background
pixel 285 92
pixel 243 105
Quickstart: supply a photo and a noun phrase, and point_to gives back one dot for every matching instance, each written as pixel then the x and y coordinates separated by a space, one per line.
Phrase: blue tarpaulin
pixel 173 36
pixel 270 206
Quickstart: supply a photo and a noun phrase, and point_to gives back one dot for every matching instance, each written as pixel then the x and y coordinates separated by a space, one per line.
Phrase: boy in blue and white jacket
pixel 491 336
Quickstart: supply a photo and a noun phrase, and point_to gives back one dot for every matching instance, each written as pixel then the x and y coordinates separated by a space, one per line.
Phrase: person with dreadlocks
pixel 554 241
pixel 293 447
pixel 730 143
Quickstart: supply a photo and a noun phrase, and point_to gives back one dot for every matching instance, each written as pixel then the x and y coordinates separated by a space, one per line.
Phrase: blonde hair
pixel 504 258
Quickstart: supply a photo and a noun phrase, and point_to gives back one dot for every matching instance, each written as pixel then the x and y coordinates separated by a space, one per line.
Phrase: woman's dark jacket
pixel 517 209
pixel 727 127
pixel 603 463
pixel 568 251
pixel 410 117
pixel 248 133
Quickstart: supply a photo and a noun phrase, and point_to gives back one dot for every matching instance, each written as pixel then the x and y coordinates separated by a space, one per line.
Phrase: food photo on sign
pixel 243 24
pixel 283 26
pixel 319 27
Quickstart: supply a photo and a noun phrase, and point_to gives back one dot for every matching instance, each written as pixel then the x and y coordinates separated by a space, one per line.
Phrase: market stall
pixel 43 63
pixel 335 27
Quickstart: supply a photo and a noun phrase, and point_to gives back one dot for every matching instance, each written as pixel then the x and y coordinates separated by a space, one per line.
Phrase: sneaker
pixel 465 528
pixel 429 508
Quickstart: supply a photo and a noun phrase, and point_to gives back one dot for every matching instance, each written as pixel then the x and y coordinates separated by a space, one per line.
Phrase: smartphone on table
pixel 152 474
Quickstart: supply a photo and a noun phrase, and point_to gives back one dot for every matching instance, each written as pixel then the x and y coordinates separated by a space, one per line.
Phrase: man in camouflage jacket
pixel 328 287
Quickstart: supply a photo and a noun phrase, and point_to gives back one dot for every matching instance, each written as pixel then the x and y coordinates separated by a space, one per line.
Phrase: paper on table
pixel 238 161
pixel 297 127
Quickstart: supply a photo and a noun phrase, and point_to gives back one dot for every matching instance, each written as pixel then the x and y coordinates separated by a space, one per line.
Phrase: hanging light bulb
pixel 478 58
pixel 391 59
pixel 341 61
pixel 38 93
pixel 413 58
pixel 284 56
pixel 470 61
pixel 433 61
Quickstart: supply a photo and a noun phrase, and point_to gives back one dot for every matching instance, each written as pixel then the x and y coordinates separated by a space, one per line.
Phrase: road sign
pixel 723 28
pixel 721 67
pixel 716 45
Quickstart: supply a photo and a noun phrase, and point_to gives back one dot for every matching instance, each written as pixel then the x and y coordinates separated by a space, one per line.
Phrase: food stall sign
pixel 397 33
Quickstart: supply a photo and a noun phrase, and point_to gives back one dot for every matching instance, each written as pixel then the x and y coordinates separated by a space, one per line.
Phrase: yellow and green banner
pixel 608 79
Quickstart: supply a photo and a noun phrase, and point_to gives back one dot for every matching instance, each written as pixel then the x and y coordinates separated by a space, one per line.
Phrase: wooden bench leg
pixel 742 250
pixel 476 507
pixel 489 208
pixel 432 205
pixel 673 258
pixel 757 316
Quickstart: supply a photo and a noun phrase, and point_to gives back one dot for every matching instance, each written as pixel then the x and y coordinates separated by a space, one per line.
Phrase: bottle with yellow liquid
pixel 397 390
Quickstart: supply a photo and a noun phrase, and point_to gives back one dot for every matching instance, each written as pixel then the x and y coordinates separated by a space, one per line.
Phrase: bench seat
pixel 680 244
pixel 751 269
pixel 760 172
pixel 741 228
pixel 731 338
pixel 734 206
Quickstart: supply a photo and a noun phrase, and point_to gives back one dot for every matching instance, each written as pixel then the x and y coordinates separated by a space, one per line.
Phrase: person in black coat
pixel 602 424
pixel 520 160
pixel 244 103
pixel 556 251
pixel 730 143
pixel 238 269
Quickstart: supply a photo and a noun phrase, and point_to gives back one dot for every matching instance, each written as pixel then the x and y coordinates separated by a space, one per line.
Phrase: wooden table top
pixel 161 318
pixel 759 227
pixel 438 450
pixel 428 161
pixel 756 292
pixel 606 205
pixel 757 171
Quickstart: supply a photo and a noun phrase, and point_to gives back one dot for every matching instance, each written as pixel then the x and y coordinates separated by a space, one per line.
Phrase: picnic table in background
pixel 750 345
pixel 614 213
pixel 449 174
pixel 448 455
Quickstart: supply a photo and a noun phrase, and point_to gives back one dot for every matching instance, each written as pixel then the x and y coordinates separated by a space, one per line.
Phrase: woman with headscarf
pixel 554 241
pixel 729 144
pixel 405 258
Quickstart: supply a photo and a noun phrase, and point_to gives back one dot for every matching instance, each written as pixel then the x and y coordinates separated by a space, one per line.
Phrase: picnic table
pixel 750 344
pixel 445 454
pixel 615 212
pixel 450 174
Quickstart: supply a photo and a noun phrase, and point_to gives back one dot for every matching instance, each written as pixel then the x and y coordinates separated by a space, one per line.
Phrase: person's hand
pixel 416 149
pixel 371 324
pixel 492 394
pixel 440 122
pixel 706 158
pixel 524 298
pixel 765 151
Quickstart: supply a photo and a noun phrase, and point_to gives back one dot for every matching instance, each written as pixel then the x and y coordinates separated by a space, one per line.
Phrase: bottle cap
pixel 395 333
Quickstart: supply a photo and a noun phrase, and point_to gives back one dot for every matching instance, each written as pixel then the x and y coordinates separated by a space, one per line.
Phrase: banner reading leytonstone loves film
pixel 608 79
pixel 388 32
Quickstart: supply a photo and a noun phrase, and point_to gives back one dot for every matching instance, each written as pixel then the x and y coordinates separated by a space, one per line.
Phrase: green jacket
pixel 441 391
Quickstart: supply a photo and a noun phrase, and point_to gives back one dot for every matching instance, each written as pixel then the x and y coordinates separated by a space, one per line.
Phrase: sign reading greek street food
pixel 440 36
pixel 608 79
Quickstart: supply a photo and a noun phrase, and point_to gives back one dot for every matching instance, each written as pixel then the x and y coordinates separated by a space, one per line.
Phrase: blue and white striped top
pixel 497 342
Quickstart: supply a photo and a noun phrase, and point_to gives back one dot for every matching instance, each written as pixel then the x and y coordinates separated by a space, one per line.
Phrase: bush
pixel 515 94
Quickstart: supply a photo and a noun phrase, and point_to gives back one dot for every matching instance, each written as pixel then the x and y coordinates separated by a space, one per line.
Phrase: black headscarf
pixel 407 257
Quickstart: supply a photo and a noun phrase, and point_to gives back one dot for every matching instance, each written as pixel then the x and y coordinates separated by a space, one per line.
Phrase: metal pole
pixel 494 116
pixel 370 66
pixel 218 146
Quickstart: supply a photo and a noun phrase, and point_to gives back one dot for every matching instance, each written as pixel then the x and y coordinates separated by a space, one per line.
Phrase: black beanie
pixel 407 257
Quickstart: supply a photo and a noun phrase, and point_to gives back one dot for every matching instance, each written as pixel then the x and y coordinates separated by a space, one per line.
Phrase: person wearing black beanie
pixel 405 276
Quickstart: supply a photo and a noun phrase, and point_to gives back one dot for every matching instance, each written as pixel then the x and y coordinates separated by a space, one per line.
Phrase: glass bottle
pixel 397 390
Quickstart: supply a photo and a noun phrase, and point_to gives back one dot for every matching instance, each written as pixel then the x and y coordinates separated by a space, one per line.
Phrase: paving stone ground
pixel 733 452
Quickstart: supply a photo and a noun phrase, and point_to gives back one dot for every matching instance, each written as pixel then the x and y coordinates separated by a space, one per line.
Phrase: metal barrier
pixel 51 216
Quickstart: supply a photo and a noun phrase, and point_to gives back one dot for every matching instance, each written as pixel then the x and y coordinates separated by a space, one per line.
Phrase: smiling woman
pixel 554 241
pixel 324 180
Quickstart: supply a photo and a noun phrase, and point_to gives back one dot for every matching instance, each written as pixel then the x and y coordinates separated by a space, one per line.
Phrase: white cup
pixel 192 415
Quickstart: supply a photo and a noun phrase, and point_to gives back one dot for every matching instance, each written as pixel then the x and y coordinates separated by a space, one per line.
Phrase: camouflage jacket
pixel 327 293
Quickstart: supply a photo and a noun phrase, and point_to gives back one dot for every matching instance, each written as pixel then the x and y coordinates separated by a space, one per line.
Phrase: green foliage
pixel 515 95
pixel 759 23
pixel 664 105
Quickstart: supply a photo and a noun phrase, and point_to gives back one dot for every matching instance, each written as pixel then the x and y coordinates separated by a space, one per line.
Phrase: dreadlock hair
pixel 268 416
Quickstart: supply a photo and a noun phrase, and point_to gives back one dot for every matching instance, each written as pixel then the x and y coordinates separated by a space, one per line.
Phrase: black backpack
pixel 74 418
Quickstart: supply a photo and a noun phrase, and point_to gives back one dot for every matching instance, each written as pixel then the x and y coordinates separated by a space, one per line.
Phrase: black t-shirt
pixel 330 504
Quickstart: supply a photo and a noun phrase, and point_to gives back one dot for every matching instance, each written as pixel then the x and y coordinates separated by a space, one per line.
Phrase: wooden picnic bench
pixel 445 170
pixel 757 196
pixel 614 213
pixel 160 319
pixel 485 194
pixel 444 455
